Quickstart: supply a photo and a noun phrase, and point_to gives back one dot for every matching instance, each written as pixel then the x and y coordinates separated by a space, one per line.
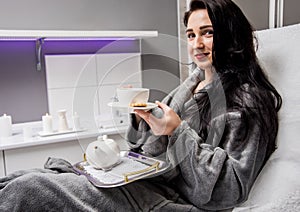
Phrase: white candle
pixel 5 126
pixel 47 123
pixel 76 121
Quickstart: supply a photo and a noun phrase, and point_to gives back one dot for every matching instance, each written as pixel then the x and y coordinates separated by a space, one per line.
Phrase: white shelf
pixel 75 34
pixel 17 140
pixel 41 35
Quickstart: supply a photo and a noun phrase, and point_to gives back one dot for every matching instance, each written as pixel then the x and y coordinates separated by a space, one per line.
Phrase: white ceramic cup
pixel 126 96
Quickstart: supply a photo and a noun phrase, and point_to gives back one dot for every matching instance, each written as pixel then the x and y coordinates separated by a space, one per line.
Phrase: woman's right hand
pixel 164 125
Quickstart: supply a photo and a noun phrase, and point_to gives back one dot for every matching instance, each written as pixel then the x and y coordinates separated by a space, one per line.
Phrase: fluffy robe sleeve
pixel 213 177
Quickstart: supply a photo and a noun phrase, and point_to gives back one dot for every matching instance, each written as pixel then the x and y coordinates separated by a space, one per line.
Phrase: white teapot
pixel 103 153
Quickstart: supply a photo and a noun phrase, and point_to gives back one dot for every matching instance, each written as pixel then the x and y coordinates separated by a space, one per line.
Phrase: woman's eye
pixel 190 35
pixel 208 33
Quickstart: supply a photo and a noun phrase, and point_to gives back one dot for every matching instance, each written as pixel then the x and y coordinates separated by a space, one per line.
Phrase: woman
pixel 221 129
pixel 217 130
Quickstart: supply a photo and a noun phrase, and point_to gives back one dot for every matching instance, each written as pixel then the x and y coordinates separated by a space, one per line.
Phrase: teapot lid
pixel 102 137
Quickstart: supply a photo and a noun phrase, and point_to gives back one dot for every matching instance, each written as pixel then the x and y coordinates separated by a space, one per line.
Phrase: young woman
pixel 217 130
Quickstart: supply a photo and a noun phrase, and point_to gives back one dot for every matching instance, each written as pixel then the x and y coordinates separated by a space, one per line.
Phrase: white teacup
pixel 126 96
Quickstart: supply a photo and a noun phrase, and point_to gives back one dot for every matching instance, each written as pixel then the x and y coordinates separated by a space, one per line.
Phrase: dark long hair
pixel 234 50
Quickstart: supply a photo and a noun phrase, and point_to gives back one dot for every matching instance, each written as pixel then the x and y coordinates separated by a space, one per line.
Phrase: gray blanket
pixel 58 188
pixel 215 165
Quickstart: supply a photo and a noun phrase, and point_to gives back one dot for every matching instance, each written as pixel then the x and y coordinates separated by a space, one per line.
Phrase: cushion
pixel 277 188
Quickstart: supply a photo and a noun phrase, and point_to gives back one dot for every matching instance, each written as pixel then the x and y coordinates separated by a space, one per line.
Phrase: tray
pixel 131 167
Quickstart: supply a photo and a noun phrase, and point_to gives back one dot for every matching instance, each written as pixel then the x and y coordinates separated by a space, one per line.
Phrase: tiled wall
pixel 87 83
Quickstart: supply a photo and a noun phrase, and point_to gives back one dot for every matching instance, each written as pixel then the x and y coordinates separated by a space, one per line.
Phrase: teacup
pixel 127 96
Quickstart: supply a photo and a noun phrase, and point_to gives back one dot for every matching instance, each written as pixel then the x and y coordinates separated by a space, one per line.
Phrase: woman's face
pixel 199 34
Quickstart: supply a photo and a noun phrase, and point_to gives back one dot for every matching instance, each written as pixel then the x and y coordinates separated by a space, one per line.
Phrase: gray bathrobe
pixel 213 165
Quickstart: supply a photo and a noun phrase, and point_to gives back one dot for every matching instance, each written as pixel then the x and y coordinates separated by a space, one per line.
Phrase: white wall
pixel 85 84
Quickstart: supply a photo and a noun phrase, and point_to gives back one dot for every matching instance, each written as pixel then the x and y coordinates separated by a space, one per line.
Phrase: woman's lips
pixel 201 56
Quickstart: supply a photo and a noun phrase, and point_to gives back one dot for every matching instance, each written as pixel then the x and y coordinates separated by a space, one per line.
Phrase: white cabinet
pixel 2 171
pixel 36 156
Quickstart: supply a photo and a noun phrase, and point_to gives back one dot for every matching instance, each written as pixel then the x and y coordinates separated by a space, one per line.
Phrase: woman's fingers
pixel 164 125
pixel 157 125
pixel 144 115
pixel 163 106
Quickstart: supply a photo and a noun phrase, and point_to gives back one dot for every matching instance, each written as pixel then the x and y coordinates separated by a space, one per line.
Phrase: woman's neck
pixel 209 75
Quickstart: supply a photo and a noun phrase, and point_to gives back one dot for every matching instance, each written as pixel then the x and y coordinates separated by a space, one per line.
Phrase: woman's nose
pixel 198 43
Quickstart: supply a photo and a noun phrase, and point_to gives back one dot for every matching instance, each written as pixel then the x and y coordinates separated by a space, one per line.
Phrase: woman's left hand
pixel 164 125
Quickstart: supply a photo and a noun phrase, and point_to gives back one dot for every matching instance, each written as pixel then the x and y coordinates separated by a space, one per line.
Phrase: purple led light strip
pixel 67 39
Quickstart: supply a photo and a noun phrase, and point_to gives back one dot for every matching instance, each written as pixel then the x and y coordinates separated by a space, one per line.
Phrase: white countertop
pixel 17 140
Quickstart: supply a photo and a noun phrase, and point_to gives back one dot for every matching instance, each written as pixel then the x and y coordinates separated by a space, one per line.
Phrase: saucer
pixel 149 106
